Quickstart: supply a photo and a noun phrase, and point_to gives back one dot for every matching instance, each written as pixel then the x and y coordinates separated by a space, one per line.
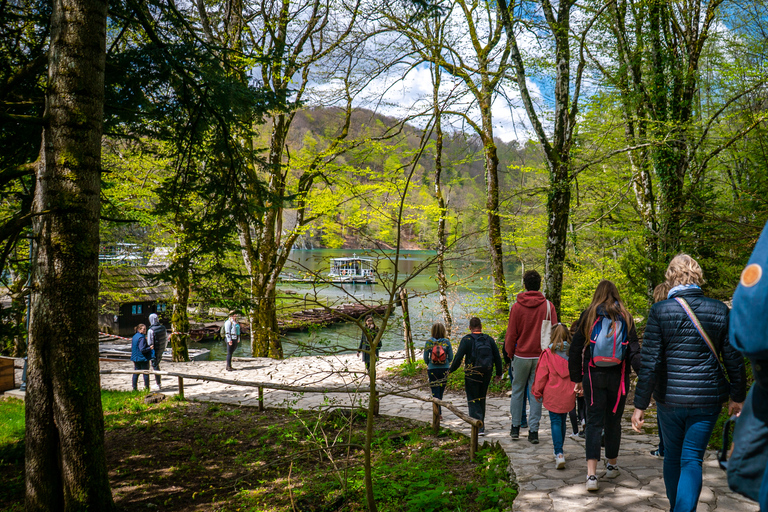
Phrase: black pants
pixel 476 384
pixel 159 349
pixel 140 365
pixel 601 391
pixel 231 350
pixel 437 375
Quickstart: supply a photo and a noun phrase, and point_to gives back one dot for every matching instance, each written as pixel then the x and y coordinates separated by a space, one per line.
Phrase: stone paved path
pixel 639 488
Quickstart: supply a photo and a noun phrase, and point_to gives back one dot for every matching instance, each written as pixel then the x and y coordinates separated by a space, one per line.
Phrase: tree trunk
pixel 265 339
pixel 65 466
pixel 558 211
pixel 180 317
pixel 442 282
pixel 492 207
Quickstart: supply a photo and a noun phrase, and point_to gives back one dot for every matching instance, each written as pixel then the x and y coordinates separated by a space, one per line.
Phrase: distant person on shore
pixel 603 348
pixel 369 334
pixel 157 338
pixel 140 355
pixel 685 339
pixel 553 387
pixel 438 355
pixel 480 354
pixel 523 345
pixel 231 337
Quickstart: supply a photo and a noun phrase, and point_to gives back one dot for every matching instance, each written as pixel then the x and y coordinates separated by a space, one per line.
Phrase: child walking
pixel 553 386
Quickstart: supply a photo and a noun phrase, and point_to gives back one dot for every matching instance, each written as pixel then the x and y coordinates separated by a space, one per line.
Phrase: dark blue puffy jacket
pixel 138 343
pixel 677 366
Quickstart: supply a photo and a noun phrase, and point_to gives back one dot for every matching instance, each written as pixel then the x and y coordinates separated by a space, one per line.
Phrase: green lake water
pixel 469 275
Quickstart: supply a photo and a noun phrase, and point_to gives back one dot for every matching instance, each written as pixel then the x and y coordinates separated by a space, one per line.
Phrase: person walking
pixel 685 338
pixel 368 336
pixel 523 345
pixel 480 355
pixel 157 338
pixel 553 388
pixel 438 355
pixel 605 341
pixel 140 355
pixel 231 337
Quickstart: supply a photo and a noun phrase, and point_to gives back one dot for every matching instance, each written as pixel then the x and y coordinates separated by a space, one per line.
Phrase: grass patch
pixel 198 456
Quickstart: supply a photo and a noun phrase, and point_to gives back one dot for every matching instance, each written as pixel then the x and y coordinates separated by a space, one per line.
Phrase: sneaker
pixel 657 454
pixel 514 432
pixel 559 461
pixel 582 435
pixel 524 424
pixel 481 432
pixel 611 470
pixel 533 437
pixel 575 436
pixel 592 483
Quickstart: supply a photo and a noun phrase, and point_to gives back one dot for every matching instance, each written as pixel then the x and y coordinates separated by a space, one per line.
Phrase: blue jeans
pixel 140 365
pixel 686 433
pixel 557 421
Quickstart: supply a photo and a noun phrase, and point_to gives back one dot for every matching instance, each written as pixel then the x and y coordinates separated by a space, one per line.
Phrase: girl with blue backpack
pixel 603 347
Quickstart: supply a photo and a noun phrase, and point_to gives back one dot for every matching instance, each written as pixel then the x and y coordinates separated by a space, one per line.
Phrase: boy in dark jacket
pixel 481 354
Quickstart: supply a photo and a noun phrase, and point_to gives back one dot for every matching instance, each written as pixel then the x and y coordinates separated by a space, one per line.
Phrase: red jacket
pixel 524 327
pixel 553 382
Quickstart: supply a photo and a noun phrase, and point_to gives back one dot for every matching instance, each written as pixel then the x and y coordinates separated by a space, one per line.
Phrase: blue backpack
pixel 608 341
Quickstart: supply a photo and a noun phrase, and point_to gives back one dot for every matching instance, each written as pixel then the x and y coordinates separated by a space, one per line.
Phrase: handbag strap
pixel 695 320
pixel 549 312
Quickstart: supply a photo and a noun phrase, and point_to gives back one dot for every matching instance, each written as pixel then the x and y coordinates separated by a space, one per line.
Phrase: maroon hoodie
pixel 523 337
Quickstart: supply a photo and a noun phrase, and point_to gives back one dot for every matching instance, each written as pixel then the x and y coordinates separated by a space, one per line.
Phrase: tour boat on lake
pixel 352 270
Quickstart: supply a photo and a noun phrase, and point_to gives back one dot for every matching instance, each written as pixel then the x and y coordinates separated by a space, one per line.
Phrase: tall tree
pixel 477 54
pixel 65 461
pixel 558 144
pixel 660 47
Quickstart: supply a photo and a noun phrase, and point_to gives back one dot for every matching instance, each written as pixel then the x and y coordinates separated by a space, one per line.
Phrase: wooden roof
pixel 132 284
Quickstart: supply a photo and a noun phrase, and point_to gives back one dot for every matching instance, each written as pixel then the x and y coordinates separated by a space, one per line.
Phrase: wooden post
pixel 473 442
pixel 261 399
pixel 410 356
pixel 435 419
pixel 181 388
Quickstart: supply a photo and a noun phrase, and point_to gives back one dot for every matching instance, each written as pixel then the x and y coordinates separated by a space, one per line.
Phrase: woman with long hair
pixel 603 346
pixel 438 355
pixel 685 338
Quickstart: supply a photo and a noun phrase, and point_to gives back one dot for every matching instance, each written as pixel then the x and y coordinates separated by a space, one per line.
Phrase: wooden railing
pixel 473 422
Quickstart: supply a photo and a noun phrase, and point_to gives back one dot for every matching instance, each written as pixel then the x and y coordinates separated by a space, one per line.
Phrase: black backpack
pixel 482 352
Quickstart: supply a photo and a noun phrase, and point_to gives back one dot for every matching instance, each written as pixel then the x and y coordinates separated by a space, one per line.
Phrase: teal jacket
pixel 428 353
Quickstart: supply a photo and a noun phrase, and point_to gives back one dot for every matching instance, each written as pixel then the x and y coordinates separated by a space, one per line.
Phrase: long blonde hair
pixel 607 296
pixel 559 337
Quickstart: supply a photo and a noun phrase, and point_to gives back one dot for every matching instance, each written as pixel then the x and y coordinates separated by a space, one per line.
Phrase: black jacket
pixel 677 366
pixel 465 349
pixel 578 365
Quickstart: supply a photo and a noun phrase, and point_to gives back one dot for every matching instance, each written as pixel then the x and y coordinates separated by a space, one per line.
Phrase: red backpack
pixel 438 355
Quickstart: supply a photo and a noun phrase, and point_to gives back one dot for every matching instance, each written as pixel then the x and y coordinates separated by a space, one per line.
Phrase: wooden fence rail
pixel 473 422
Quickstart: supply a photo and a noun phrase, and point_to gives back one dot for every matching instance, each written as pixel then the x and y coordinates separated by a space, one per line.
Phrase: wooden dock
pixel 318 317
pixel 297 321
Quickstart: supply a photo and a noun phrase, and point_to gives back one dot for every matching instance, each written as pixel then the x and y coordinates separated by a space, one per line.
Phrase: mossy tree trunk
pixel 65 465
pixel 180 316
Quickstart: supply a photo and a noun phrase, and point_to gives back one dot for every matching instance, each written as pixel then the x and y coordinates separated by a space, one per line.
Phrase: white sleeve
pixel 150 337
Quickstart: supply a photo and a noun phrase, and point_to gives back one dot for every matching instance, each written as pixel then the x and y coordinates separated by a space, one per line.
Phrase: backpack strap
pixel 695 321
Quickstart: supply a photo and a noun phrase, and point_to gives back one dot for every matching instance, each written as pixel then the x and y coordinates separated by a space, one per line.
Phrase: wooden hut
pixel 128 295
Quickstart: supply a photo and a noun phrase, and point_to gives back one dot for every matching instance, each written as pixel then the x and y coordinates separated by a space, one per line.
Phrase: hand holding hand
pixel 579 388
pixel 734 408
pixel 637 420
